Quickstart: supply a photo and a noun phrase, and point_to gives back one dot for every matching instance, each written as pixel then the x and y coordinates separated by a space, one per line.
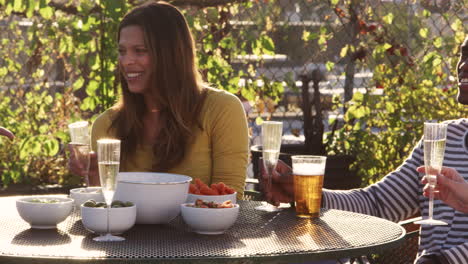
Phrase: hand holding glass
pixel 434 148
pixel 80 145
pixel 109 162
pixel 271 144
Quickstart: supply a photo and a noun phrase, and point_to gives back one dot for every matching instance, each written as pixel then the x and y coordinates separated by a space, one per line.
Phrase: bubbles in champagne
pixel 270 157
pixel 434 155
pixel 108 171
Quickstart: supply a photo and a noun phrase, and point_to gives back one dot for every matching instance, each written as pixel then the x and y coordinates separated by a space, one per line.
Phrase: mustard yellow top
pixel 219 152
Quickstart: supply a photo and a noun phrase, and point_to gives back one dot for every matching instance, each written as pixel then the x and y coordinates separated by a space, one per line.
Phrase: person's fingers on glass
pixel 436 190
pixel 74 165
pixel 93 170
pixel 281 190
pixel 283 172
pixel 451 174
pixel 284 178
pixel 278 195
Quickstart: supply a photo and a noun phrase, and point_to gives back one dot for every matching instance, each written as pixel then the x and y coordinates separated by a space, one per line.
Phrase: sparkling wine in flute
pixel 271 144
pixel 108 161
pixel 108 171
pixel 270 158
pixel 434 148
pixel 433 159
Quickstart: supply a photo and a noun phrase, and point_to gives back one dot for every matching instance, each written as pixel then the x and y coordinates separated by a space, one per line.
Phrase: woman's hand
pixel 451 188
pixel 7 133
pixel 282 186
pixel 78 167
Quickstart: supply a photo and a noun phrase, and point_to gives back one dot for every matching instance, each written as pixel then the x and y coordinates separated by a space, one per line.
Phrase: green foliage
pixel 58 65
pixel 382 126
pixel 74 44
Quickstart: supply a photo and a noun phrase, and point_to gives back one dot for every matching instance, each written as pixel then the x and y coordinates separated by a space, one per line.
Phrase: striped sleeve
pixel 457 254
pixel 395 197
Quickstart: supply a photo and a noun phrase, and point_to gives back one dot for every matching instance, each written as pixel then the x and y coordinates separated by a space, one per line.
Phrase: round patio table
pixel 256 237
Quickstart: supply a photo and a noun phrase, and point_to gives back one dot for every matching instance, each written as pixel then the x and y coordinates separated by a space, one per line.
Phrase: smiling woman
pixel 135 60
pixel 168 119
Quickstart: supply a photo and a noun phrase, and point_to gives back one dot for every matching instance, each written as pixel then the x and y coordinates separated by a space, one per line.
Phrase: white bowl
pixel 44 215
pixel 81 195
pixel 191 198
pixel 158 196
pixel 121 219
pixel 209 221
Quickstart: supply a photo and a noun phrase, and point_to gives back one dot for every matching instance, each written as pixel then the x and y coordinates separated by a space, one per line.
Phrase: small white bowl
pixel 191 198
pixel 81 195
pixel 121 219
pixel 44 215
pixel 209 221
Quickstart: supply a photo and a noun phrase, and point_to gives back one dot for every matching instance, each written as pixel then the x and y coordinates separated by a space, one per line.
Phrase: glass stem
pixel 87 171
pixel 270 170
pixel 431 202
pixel 270 175
pixel 87 178
pixel 108 228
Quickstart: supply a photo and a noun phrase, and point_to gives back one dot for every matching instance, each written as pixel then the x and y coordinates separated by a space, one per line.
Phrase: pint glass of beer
pixel 308 174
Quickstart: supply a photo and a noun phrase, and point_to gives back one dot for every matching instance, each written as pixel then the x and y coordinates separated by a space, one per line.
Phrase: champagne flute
pixel 434 148
pixel 108 161
pixel 80 145
pixel 271 144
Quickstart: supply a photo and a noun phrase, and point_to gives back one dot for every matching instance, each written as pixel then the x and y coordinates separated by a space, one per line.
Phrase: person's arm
pixel 229 139
pixel 456 255
pixel 395 197
pixel 7 133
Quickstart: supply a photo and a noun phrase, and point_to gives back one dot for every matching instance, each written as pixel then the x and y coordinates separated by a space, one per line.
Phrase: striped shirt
pixel 399 196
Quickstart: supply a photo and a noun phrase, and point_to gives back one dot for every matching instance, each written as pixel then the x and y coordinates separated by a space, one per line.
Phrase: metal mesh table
pixel 255 237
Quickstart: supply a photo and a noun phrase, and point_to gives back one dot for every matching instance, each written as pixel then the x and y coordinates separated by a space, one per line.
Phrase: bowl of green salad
pixel 44 212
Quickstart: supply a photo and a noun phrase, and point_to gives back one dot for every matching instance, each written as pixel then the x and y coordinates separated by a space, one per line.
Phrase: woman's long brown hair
pixel 176 86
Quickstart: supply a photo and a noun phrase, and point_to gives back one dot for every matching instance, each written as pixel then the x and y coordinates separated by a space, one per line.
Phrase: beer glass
pixel 308 173
pixel 434 148
pixel 80 145
pixel 109 162
pixel 271 144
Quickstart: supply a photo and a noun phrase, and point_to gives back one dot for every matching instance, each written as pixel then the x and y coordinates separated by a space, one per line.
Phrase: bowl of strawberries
pixel 216 192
